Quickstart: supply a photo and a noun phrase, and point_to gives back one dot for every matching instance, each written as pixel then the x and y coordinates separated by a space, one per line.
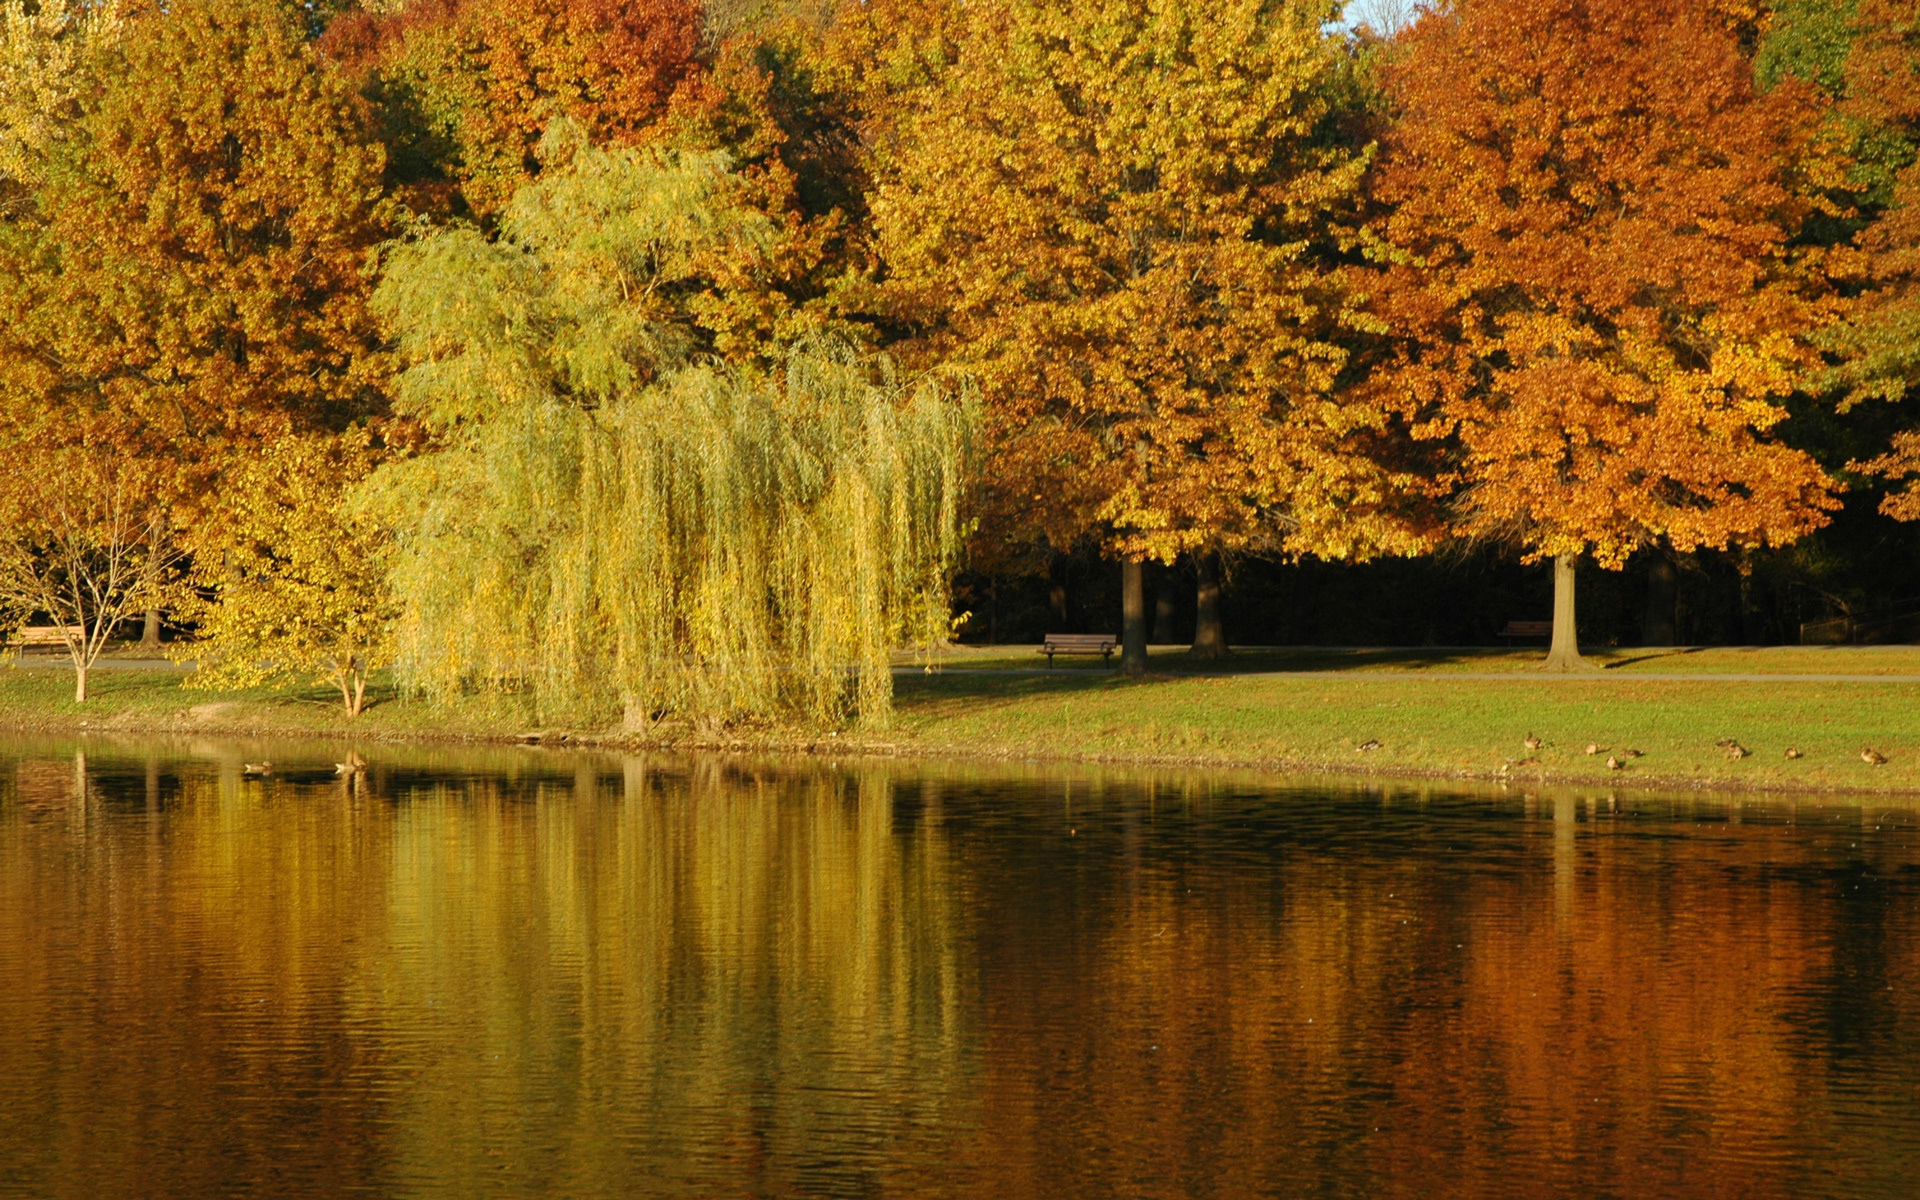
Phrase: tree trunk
pixel 1057 594
pixel 1564 654
pixel 1164 600
pixel 1133 618
pixel 353 689
pixel 79 682
pixel 150 634
pixel 633 716
pixel 1663 596
pixel 1209 636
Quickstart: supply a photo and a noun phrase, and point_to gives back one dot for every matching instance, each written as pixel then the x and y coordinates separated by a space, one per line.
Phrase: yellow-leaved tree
pixel 293 580
pixel 43 50
pixel 607 520
pixel 1124 217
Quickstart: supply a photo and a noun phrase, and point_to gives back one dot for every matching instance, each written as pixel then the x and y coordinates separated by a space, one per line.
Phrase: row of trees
pixel 655 358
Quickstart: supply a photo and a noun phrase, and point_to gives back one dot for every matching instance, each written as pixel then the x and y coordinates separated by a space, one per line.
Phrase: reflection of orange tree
pixel 1279 1026
pixel 1637 1029
pixel 724 979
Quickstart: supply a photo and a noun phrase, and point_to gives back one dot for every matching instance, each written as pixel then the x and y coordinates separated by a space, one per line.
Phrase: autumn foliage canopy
pixel 1595 281
pixel 1583 279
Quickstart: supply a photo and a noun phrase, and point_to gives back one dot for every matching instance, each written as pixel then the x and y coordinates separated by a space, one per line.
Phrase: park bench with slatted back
pixel 44 635
pixel 1528 629
pixel 1079 643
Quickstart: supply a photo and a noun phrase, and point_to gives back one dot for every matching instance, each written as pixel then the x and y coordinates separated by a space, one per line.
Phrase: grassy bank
pixel 1437 713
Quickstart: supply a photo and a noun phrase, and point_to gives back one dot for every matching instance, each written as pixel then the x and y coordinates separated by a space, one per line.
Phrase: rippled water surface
pixel 529 973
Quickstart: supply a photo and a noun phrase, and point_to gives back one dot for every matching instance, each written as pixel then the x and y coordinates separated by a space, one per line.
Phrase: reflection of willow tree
pixel 709 964
pixel 547 975
pixel 608 523
pixel 725 976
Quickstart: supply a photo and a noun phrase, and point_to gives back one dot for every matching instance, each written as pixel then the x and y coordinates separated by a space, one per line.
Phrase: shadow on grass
pixel 1653 654
pixel 908 689
pixel 1257 660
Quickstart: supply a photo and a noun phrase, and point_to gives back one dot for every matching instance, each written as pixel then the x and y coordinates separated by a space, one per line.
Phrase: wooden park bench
pixel 1079 643
pixel 1527 629
pixel 44 635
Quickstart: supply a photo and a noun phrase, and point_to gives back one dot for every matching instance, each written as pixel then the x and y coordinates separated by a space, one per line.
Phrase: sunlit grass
pixel 1431 724
pixel 1427 718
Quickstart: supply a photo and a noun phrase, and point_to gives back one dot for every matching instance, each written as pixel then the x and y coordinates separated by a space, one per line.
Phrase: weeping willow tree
pixel 608 522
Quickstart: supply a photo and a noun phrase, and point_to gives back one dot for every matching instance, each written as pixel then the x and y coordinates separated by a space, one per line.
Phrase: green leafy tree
pixel 1865 54
pixel 607 523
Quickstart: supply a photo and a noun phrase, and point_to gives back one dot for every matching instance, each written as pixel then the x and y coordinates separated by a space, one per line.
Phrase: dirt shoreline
pixel 858 747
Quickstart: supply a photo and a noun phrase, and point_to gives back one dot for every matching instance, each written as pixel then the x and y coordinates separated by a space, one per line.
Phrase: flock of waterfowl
pixel 1731 747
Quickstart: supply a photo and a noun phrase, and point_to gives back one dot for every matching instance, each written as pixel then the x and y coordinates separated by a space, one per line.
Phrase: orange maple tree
pixel 1592 274
pixel 467 87
pixel 184 278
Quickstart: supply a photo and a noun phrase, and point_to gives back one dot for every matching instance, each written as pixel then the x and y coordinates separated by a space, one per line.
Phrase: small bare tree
pixel 86 541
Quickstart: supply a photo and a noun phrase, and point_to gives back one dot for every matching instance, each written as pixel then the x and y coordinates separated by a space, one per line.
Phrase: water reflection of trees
pixel 576 974
pixel 1584 1002
pixel 744 974
pixel 586 982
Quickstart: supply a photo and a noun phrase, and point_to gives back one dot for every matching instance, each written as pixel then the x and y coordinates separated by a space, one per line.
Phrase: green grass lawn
pixel 1427 723
pixel 1427 719
pixel 134 700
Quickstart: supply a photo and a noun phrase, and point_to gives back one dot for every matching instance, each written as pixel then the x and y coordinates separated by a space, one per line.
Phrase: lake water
pixel 531 973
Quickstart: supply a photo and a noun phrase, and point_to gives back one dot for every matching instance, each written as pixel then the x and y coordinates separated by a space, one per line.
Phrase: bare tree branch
pixel 86 543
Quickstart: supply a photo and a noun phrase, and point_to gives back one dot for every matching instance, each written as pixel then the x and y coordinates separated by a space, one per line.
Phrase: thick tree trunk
pixel 79 683
pixel 1133 618
pixel 1164 601
pixel 1659 628
pixel 633 716
pixel 1209 635
pixel 150 633
pixel 1564 654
